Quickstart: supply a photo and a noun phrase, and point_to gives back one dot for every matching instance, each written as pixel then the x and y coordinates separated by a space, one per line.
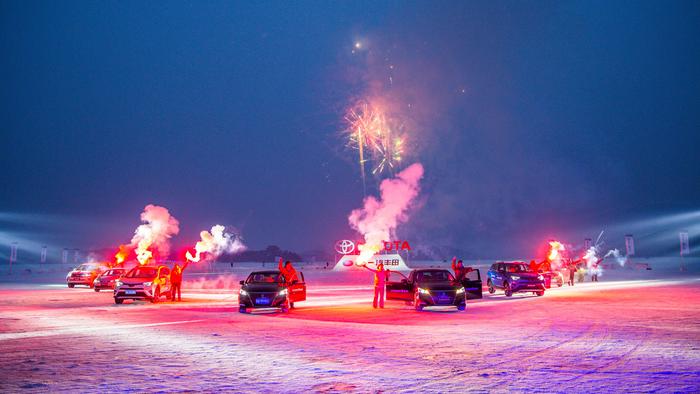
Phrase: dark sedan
pixel 268 289
pixel 428 287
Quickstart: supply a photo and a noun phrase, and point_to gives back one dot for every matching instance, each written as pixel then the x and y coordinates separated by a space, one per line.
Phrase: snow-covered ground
pixel 636 330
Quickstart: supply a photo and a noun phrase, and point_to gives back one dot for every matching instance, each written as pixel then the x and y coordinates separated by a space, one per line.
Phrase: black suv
pixel 428 287
pixel 514 277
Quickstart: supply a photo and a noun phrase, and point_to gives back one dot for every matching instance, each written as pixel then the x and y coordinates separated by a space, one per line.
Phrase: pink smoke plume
pixel 378 219
pixel 154 234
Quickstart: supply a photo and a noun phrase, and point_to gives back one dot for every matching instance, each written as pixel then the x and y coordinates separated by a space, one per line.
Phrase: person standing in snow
pixel 595 271
pixel 459 270
pixel 573 265
pixel 176 281
pixel 288 271
pixel 380 277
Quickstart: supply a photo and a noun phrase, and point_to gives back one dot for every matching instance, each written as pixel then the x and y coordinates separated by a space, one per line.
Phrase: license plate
pixel 130 292
pixel 262 301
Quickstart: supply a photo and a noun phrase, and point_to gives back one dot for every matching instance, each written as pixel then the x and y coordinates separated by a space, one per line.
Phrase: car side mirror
pixel 242 282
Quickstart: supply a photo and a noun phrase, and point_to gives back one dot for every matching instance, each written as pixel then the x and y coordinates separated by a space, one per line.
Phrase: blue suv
pixel 514 277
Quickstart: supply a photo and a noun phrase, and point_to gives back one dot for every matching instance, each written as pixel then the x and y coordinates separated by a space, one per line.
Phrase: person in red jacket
pixel 288 271
pixel 380 277
pixel 176 281
pixel 460 270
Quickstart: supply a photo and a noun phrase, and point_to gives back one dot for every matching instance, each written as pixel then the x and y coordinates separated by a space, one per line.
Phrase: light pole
pixel 13 254
pixel 685 247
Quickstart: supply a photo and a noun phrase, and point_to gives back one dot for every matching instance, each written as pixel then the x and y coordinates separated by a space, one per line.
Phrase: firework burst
pixel 377 139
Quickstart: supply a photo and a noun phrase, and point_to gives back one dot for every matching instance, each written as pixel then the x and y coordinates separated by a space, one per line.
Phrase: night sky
pixel 532 119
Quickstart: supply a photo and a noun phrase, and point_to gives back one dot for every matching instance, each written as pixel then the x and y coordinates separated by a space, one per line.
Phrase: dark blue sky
pixel 574 116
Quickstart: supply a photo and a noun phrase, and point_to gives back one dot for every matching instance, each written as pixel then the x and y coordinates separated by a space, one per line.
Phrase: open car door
pixel 398 290
pixel 297 291
pixel 473 285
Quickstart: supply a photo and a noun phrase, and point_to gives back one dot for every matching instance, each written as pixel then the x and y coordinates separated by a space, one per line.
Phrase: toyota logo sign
pixel 345 246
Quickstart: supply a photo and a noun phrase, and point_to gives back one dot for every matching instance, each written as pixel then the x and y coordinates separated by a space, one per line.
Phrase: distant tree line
pixel 269 254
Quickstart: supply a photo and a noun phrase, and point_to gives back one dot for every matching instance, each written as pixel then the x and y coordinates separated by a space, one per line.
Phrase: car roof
pixel 430 269
pixel 511 262
pixel 265 272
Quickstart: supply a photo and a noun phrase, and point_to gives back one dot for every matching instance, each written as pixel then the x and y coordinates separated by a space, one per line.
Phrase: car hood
pixel 136 281
pixel 439 286
pixel 262 287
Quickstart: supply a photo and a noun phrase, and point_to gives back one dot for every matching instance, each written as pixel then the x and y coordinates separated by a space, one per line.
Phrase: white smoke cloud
pixel 622 260
pixel 155 233
pixel 215 243
pixel 592 261
pixel 378 219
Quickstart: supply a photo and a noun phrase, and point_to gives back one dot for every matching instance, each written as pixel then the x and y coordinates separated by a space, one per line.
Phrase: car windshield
pixel 264 277
pixel 86 267
pixel 514 268
pixel 142 272
pixel 434 276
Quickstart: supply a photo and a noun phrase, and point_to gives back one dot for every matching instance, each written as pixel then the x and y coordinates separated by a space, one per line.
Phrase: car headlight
pixel 423 291
pixel 242 292
pixel 460 290
pixel 97 280
pixel 515 277
pixel 540 277
pixel 147 283
pixel 282 292
pixel 118 283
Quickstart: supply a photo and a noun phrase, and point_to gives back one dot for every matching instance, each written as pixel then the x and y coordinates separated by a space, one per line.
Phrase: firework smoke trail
pixel 216 242
pixel 622 260
pixel 378 218
pixel 154 234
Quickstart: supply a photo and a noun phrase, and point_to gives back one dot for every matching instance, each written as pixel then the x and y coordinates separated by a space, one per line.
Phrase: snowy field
pixel 635 331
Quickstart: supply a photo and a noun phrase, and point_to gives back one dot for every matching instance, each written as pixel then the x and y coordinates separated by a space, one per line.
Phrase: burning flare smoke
pixel 378 219
pixel 216 242
pixel 151 236
pixel 556 254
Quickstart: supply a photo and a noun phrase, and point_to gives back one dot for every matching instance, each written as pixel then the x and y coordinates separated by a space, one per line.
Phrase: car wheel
pixel 539 293
pixel 97 290
pixel 118 300
pixel 284 309
pixel 417 304
pixel 507 290
pixel 462 307
pixel 291 305
pixel 156 296
pixel 70 285
pixel 560 283
pixel 491 288
pixel 242 309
